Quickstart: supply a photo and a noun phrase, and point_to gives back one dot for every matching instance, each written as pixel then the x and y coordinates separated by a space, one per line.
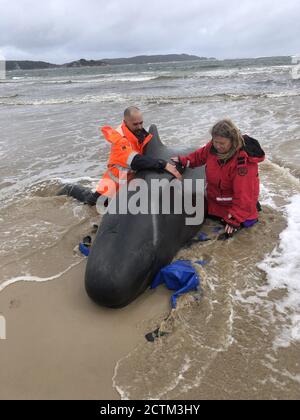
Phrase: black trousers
pixel 85 195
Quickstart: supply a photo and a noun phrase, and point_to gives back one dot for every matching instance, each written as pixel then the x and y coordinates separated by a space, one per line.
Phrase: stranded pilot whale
pixel 129 249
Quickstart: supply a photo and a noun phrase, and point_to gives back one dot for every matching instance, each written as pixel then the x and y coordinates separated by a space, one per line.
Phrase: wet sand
pixel 62 346
pixel 59 344
pixel 221 346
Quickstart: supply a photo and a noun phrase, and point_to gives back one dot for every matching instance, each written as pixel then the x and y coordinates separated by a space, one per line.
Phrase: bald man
pixel 128 142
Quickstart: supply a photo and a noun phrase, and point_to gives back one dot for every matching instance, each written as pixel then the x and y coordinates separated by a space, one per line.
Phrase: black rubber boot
pixel 84 195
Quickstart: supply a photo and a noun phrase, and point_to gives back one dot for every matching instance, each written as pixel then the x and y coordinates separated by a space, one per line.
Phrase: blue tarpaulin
pixel 180 276
pixel 84 249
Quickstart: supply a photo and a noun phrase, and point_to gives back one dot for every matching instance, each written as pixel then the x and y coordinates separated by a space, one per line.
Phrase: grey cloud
pixel 62 30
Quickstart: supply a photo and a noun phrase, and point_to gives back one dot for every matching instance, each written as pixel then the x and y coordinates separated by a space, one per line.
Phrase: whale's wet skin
pixel 138 245
pixel 238 338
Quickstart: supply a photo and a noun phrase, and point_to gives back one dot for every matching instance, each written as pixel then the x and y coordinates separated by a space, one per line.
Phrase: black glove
pixel 161 164
pixel 179 166
pixel 142 162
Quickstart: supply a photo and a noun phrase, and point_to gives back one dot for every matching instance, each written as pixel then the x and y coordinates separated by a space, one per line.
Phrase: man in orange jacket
pixel 128 142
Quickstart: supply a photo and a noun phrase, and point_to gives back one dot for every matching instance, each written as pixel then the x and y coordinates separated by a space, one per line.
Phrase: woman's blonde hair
pixel 226 128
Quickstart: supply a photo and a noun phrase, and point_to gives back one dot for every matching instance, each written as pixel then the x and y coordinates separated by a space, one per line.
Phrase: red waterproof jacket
pixel 232 186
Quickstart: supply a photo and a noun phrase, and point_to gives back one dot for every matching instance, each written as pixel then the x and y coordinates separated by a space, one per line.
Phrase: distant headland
pixel 140 59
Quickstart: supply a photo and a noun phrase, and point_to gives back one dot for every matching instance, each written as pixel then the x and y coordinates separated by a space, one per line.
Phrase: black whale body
pixel 129 250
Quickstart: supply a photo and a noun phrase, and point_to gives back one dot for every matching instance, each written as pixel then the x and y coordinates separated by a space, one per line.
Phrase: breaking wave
pixel 57 101
pixel 9 96
pixel 216 97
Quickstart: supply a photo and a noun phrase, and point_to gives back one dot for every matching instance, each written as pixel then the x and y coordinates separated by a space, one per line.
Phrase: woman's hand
pixel 229 229
pixel 172 169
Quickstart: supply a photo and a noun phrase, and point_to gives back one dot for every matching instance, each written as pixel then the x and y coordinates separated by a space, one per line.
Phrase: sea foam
pixel 282 267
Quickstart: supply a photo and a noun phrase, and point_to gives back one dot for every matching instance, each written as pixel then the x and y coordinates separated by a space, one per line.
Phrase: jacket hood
pixel 253 149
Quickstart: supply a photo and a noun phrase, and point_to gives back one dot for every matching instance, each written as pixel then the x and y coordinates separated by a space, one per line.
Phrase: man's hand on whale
pixel 173 170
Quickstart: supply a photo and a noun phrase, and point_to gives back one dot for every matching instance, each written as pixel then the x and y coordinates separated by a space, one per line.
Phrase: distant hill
pixel 84 63
pixel 148 59
pixel 141 59
pixel 28 65
pixel 35 65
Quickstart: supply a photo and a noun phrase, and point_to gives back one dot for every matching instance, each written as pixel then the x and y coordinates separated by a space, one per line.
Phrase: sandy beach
pixel 61 346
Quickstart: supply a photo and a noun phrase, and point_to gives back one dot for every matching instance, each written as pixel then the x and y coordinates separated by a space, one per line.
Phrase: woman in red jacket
pixel 231 174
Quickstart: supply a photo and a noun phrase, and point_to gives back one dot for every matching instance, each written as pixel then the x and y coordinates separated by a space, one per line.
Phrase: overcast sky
pixel 64 30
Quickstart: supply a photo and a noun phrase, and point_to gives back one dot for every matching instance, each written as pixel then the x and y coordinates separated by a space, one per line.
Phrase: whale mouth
pixel 118 287
pixel 119 271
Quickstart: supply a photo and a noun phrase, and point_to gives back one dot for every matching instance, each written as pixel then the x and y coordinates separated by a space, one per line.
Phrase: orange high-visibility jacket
pixel 124 147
